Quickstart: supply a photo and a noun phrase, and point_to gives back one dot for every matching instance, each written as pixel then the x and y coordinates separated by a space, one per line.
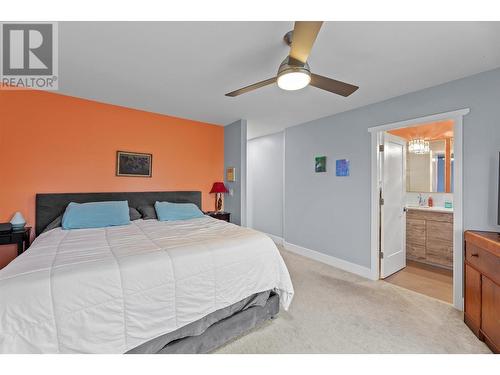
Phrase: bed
pixel 148 287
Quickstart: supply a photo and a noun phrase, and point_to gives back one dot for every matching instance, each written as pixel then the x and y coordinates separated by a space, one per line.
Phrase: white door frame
pixel 376 132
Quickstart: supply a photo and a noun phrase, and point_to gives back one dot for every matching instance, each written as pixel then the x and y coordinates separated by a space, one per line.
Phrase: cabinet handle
pixel 474 255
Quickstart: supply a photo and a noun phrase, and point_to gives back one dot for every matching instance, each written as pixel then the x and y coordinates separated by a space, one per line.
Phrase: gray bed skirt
pixel 215 329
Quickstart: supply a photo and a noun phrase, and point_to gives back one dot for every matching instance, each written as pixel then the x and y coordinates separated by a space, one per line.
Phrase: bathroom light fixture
pixel 419 146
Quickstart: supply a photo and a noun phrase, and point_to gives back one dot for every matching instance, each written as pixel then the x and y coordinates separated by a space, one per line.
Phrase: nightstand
pixel 221 215
pixel 21 237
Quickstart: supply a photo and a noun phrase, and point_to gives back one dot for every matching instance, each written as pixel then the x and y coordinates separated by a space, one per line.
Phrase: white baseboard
pixel 277 240
pixel 330 260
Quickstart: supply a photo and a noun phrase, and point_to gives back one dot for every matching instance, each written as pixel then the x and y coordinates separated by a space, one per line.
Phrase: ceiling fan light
pixel 294 80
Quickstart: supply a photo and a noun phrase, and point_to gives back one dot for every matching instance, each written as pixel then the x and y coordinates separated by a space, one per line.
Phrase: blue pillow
pixel 95 215
pixel 167 211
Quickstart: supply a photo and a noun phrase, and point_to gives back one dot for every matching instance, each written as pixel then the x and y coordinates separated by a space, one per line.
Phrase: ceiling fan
pixel 294 72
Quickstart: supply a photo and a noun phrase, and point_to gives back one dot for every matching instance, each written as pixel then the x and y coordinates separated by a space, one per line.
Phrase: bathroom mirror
pixel 431 171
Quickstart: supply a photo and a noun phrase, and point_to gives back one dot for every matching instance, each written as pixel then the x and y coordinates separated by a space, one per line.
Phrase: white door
pixel 392 212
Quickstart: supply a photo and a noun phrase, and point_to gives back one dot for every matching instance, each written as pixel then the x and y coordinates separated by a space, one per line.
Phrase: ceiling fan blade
pixel 255 86
pixel 332 85
pixel 303 37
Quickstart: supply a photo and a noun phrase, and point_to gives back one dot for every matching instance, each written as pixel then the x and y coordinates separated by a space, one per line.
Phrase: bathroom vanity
pixel 429 235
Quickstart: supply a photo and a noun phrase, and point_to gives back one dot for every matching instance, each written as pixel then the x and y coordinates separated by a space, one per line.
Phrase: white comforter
pixel 109 290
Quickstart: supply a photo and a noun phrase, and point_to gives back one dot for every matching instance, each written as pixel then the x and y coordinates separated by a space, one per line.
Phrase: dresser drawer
pixel 483 261
pixel 482 286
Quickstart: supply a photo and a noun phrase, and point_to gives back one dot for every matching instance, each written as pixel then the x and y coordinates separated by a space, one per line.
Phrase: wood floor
pixel 421 278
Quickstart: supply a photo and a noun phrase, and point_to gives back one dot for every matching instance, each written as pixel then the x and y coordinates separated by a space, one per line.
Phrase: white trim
pixel 328 259
pixel 376 132
pixel 283 187
pixel 243 172
pixel 458 225
pixel 277 239
pixel 406 123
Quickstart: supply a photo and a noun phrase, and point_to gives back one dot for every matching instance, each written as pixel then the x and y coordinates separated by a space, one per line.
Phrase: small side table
pixel 221 215
pixel 21 237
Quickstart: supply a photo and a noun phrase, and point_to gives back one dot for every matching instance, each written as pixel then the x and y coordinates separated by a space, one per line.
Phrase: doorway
pixel 420 260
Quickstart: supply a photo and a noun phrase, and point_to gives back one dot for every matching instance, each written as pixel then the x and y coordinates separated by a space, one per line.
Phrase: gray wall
pixel 265 184
pixel 332 214
pixel 235 155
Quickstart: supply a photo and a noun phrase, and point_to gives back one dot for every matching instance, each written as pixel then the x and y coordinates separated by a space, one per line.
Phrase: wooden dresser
pixel 482 286
pixel 429 237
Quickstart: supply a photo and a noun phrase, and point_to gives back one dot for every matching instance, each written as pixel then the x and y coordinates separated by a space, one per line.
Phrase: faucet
pixel 421 200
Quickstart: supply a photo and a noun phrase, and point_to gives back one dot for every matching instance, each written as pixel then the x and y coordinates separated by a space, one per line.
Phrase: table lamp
pixel 218 188
pixel 18 221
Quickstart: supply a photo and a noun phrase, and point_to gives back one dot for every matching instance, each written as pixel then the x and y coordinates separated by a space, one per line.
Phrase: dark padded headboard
pixel 50 206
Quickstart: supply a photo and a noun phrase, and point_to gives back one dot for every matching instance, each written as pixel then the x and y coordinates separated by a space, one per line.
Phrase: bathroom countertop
pixel 433 209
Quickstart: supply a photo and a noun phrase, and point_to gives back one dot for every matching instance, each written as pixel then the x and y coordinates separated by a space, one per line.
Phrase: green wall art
pixel 320 164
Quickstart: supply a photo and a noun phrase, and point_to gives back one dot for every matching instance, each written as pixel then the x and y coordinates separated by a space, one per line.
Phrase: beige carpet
pixel 338 312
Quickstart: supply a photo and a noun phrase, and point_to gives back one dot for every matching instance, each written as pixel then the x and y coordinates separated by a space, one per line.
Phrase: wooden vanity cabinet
pixel 429 237
pixel 482 286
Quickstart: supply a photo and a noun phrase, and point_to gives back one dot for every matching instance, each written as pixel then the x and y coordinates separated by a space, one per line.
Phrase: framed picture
pixel 231 174
pixel 133 164
pixel 342 168
pixel 320 164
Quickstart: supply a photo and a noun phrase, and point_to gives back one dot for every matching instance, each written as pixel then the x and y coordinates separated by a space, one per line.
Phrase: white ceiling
pixel 185 68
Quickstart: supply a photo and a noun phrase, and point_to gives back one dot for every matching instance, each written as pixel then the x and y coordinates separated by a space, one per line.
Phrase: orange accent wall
pixel 55 143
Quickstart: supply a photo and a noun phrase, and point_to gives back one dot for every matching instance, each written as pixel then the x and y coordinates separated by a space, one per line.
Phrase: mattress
pixel 109 290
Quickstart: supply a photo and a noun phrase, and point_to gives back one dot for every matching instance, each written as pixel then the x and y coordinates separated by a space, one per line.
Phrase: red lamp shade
pixel 219 187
